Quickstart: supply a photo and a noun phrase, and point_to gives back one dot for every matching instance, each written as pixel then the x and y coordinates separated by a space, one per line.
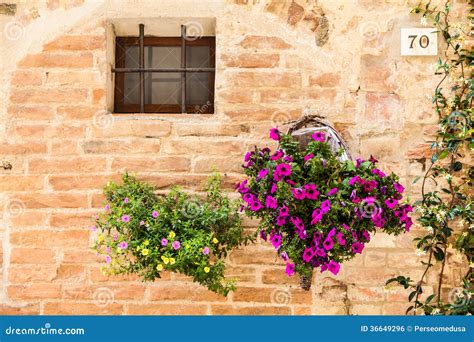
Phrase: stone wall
pixel 275 60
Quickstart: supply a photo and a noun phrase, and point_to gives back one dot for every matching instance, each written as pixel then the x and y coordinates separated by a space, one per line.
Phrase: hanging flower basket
pixel 316 206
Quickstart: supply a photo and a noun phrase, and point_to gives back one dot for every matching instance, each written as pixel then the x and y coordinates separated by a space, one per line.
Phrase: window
pixel 164 74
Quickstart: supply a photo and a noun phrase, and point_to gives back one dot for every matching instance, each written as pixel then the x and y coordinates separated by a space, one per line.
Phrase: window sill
pixel 161 116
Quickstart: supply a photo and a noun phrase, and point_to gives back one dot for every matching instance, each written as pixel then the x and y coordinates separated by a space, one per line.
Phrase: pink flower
pixel 107 207
pixel 311 192
pixel 126 200
pixel 319 136
pixel 308 254
pixel 271 202
pixel 205 250
pixel 369 200
pixel 108 259
pixel 290 269
pixel 357 247
pixel 325 206
pixel 340 239
pixel 154 214
pixel 391 203
pixel 328 243
pixel 164 242
pixel 176 245
pixel 353 180
pixel 333 267
pixel 126 218
pixel 298 194
pixel 274 134
pixel 379 173
pixel 332 191
pixel 262 173
pixel 398 187
pixel 283 169
pixel 123 245
pixel 284 256
pixel 275 240
pixel 256 205
pixel 278 154
pixel 281 220
pixel 142 223
pixel 284 211
pixel 274 188
pixel 308 157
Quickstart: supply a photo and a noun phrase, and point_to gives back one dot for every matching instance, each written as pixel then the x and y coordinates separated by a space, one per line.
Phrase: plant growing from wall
pixel 446 212
pixel 316 210
pixel 144 234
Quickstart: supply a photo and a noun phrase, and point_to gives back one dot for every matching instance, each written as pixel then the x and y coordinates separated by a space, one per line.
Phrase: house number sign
pixel 419 42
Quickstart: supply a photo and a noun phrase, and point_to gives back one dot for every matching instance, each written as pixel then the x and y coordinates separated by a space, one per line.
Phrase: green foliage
pixel 144 234
pixel 447 212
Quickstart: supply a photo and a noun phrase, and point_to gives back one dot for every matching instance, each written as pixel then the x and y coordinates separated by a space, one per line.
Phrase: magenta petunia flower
pixel 263 235
pixel 391 203
pixel 372 159
pixel 340 239
pixel 325 206
pixel 256 205
pixel 359 162
pixel 369 200
pixel 379 173
pixel 205 250
pixel 284 211
pixel 321 252
pixel 142 223
pixel 334 267
pixel 280 220
pixel 126 200
pixel 290 269
pixel 398 187
pixel 298 194
pixel 247 156
pixel 408 224
pixel 262 173
pixel 274 188
pixel 288 159
pixel 107 207
pixel 275 240
pixel 126 218
pixel 108 259
pixel 357 247
pixel 123 245
pixel 297 222
pixel 242 187
pixel 345 226
pixel 277 155
pixel 317 216
pixel 332 191
pixel 283 169
pixel 311 192
pixel 366 235
pixel 164 242
pixel 328 243
pixel 154 214
pixel 271 202
pixel 318 136
pixel 176 245
pixel 353 180
pixel 308 254
pixel 284 256
pixel 275 134
pixel 248 198
pixel 308 157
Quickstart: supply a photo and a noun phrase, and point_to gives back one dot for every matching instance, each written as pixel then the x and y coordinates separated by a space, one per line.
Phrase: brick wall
pixel 274 61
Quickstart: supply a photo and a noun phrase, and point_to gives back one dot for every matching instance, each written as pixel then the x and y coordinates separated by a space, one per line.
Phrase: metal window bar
pixel 142 70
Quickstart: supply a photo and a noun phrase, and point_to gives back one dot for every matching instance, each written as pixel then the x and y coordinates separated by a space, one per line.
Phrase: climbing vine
pixel 445 209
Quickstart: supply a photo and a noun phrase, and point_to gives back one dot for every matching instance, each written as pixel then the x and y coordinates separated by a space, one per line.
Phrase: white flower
pixel 420 252
pixel 436 311
pixel 424 21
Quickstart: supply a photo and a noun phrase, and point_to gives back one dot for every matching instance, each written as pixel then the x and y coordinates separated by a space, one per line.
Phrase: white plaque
pixel 419 41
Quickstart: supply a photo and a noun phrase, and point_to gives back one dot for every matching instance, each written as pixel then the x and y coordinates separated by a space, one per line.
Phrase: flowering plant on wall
pixel 144 234
pixel 316 210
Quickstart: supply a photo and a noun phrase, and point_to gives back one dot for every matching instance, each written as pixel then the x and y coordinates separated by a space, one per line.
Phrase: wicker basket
pixel 303 128
pixel 305 282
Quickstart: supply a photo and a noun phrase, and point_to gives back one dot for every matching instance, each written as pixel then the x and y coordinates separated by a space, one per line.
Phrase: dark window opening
pixel 164 74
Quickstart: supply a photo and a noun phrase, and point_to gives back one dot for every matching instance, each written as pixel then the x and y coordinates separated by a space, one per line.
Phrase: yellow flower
pixel 100 238
pixel 206 269
pixel 215 240
pixel 145 251
pixel 165 260
pixel 172 235
pixel 172 261
pixel 146 243
pixel 159 267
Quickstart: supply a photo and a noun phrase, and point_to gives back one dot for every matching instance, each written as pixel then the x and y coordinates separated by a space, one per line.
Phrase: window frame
pixel 121 43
